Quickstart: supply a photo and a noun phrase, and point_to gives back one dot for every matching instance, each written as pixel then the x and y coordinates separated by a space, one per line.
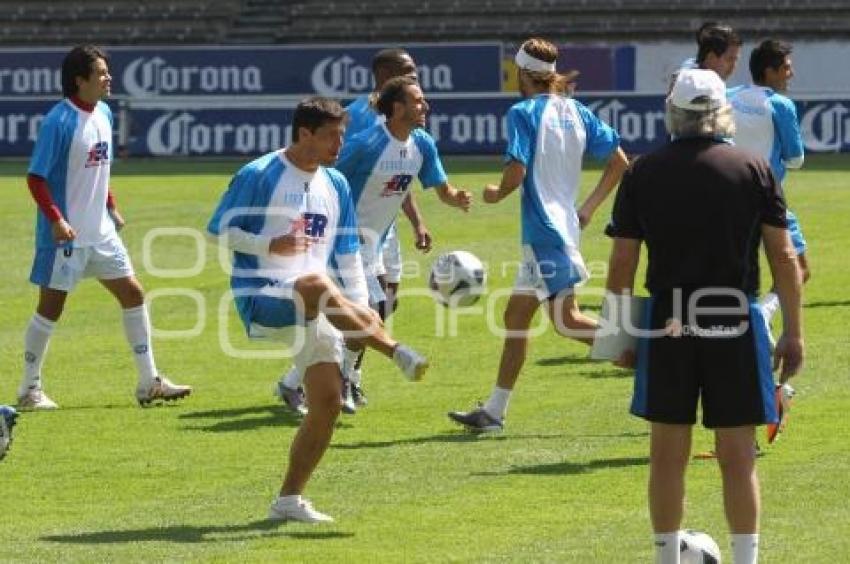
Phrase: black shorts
pixel 723 359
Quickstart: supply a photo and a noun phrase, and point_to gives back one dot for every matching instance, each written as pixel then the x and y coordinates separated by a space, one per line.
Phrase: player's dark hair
pixel 716 38
pixel 388 59
pixel 770 54
pixel 313 113
pixel 393 91
pixel 79 62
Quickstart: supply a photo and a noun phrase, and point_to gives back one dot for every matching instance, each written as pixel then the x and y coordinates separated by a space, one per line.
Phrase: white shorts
pixel 271 313
pixel 61 268
pixel 372 268
pixel 391 256
pixel 549 271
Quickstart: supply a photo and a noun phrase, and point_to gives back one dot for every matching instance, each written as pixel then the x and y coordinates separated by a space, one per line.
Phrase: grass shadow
pixel 827 304
pixel 609 373
pixel 569 359
pixel 457 437
pixel 567 468
pixel 195 534
pixel 242 419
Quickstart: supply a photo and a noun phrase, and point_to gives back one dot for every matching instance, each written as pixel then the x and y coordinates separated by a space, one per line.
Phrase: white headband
pixel 527 62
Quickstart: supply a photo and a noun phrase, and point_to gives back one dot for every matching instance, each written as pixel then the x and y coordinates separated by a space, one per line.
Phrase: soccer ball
pixel 457 279
pixel 698 548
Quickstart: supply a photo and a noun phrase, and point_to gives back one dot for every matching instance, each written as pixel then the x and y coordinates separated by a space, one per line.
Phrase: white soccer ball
pixel 698 548
pixel 457 279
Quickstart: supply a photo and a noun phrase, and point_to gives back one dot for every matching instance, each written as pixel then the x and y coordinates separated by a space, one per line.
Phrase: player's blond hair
pixel 544 80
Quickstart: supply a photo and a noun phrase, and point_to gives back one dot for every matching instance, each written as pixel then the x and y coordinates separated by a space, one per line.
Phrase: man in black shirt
pixel 703 207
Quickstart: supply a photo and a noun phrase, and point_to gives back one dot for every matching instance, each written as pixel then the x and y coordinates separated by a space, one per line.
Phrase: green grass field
pixel 101 480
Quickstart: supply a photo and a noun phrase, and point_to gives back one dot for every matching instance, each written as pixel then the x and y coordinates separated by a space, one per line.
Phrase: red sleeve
pixel 110 200
pixel 41 194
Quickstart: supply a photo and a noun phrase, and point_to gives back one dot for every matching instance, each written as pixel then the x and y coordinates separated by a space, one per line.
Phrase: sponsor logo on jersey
pixel 98 155
pixel 397 185
pixel 311 224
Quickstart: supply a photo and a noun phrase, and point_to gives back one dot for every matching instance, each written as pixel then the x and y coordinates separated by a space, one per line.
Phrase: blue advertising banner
pixel 460 125
pixel 339 71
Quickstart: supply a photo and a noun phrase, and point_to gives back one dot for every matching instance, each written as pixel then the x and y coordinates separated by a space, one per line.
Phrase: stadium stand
pixel 266 22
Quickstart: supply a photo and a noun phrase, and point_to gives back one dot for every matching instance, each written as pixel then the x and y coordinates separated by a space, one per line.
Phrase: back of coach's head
pixel 697 106
pixel 79 63
pixel 313 113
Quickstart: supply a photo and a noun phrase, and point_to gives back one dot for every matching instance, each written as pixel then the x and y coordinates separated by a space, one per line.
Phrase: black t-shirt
pixel 698 204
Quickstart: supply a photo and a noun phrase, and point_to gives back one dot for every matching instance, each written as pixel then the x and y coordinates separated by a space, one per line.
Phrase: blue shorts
pixel 795 232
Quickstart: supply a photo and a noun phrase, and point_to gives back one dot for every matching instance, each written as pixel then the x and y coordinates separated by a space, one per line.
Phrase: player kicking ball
pixel 76 229
pixel 285 216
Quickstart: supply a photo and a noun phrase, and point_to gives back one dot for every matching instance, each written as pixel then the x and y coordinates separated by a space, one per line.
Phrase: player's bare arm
pixel 614 169
pixel 512 177
pixel 455 197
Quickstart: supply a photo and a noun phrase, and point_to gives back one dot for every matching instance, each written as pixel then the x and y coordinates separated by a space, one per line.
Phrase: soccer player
pixel 285 216
pixel 766 125
pixel 76 229
pixel 381 162
pixel 362 114
pixel 718 49
pixel 702 207
pixel 8 415
pixel 548 134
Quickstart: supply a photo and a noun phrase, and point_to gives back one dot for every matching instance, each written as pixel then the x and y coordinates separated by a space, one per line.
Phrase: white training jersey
pixel 271 197
pixel 549 135
pixel 73 153
pixel 380 170
pixel 766 125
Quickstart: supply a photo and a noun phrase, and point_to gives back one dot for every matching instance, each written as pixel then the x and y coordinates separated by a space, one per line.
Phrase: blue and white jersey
pixel 73 153
pixel 766 125
pixel 380 169
pixel 549 135
pixel 271 197
pixel 361 116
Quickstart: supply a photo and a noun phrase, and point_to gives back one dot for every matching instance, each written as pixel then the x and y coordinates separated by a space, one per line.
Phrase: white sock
pixel 289 499
pixel 349 363
pixel 745 548
pixel 769 305
pixel 293 378
pixel 667 547
pixel 137 328
pixel 497 405
pixel 36 339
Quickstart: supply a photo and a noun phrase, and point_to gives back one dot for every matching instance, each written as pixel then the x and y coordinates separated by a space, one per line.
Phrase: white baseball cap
pixel 698 90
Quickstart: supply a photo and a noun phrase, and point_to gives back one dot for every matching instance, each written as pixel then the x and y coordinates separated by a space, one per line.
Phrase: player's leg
pixel 357 323
pixel 56 272
pixel 110 264
pixel 741 497
pixel 569 322
pixel 391 258
pixel 151 384
pixel 323 387
pixel 518 315
pixel 669 450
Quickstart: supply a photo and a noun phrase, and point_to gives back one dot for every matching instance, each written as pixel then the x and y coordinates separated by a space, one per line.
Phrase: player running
pixel 285 216
pixel 548 134
pixel 76 231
